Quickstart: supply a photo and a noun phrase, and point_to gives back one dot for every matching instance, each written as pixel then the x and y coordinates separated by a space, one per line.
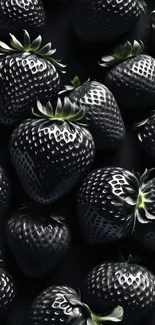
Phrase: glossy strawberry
pixel 131 77
pixel 27 74
pixel 128 285
pixel 102 114
pixel 38 241
pixel 16 15
pixel 7 292
pixel 62 305
pixel 5 192
pixel 111 201
pixel 50 152
pixel 104 20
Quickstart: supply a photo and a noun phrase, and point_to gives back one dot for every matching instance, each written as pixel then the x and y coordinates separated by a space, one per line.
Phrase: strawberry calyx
pixel 142 5
pixel 144 200
pixel 64 111
pixel 75 83
pixel 115 316
pixel 121 53
pixel 45 51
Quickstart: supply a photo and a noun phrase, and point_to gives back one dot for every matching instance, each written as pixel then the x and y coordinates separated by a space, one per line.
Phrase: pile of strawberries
pixel 56 134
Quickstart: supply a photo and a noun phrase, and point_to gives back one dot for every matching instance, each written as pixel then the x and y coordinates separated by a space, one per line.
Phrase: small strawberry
pixel 102 114
pixel 7 292
pixel 131 77
pixel 120 283
pixel 38 242
pixel 110 202
pixel 105 20
pixel 16 15
pixel 27 74
pixel 5 192
pixel 51 153
pixel 62 305
pixel 146 134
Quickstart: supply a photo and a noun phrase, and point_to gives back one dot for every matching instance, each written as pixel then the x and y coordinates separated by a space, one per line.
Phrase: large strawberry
pixel 110 202
pixel 7 292
pixel 18 14
pixel 102 114
pixel 5 192
pixel 146 134
pixel 104 20
pixel 27 73
pixel 131 77
pixel 62 305
pixel 38 241
pixel 51 153
pixel 121 283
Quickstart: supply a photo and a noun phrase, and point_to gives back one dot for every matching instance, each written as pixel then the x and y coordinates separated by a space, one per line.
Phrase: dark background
pixel 80 60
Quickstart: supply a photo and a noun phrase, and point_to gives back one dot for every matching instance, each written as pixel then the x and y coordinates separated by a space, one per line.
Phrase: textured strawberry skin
pixel 135 79
pixel 104 20
pixel 57 304
pixel 50 157
pixel 128 285
pixel 38 243
pixel 16 15
pixel 147 136
pixel 5 192
pixel 102 216
pixel 25 78
pixel 102 114
pixel 7 292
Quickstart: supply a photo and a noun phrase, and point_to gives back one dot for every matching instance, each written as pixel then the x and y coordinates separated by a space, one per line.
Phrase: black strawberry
pixel 7 292
pixel 110 202
pixel 102 114
pixel 16 15
pixel 146 134
pixel 128 285
pixel 5 192
pixel 131 78
pixel 27 73
pixel 38 241
pixel 51 153
pixel 62 305
pixel 104 20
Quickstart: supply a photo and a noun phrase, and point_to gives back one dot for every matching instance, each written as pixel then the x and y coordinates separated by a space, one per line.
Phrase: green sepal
pixel 122 52
pixel 115 316
pixel 64 111
pixel 34 47
pixel 75 83
pixel 27 40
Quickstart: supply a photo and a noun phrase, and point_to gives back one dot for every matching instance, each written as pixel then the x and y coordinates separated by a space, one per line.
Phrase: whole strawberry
pixel 5 192
pixel 106 203
pixel 62 305
pixel 131 77
pixel 104 20
pixel 16 15
pixel 51 152
pixel 27 73
pixel 146 134
pixel 121 283
pixel 38 241
pixel 7 292
pixel 102 114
